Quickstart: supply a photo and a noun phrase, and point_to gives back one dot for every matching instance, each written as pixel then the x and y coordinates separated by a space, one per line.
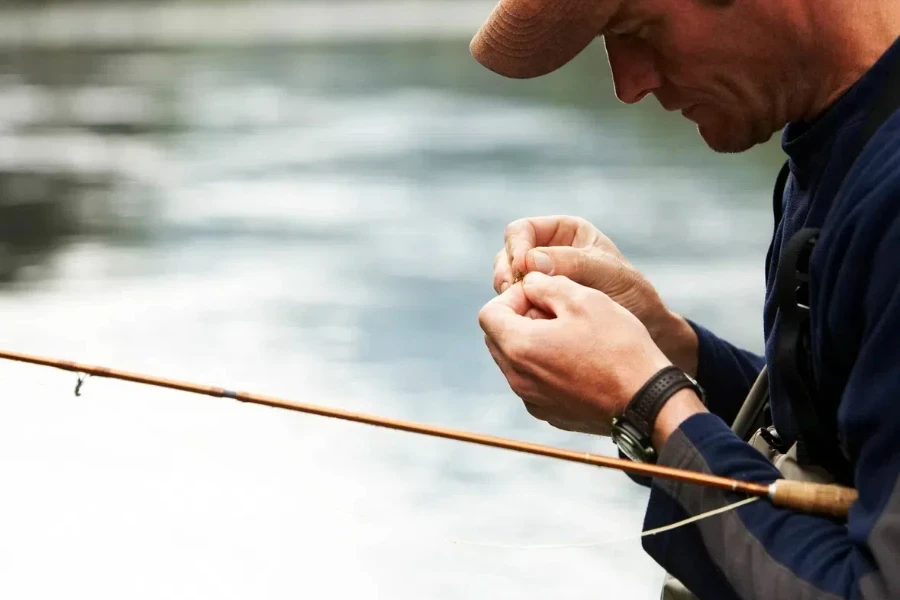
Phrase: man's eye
pixel 642 32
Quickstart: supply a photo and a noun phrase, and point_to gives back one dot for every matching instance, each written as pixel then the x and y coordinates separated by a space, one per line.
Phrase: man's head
pixel 740 69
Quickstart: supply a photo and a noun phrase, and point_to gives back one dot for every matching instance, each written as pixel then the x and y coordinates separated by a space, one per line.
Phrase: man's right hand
pixel 572 247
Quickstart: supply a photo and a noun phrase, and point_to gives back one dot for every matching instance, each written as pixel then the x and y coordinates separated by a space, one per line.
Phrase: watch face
pixel 627 443
pixel 630 442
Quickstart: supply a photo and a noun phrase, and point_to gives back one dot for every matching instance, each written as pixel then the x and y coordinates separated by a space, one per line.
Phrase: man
pixel 589 345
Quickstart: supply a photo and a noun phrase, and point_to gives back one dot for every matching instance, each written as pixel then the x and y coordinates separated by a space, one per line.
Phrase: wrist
pixel 679 408
pixel 656 410
pixel 678 341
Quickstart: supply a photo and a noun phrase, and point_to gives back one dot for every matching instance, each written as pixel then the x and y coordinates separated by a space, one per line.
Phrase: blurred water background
pixel 305 199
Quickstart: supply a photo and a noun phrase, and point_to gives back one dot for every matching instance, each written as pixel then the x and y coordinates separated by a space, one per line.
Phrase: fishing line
pixel 628 538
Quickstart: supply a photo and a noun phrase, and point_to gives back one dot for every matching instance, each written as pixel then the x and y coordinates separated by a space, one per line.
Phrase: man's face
pixel 717 65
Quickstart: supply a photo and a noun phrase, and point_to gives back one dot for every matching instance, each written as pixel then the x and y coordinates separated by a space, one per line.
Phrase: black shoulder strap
pixel 818 440
pixel 777 207
pixel 816 419
pixel 778 196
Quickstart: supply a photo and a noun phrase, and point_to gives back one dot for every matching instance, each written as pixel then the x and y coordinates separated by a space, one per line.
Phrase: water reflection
pixel 78 152
pixel 319 222
pixel 106 124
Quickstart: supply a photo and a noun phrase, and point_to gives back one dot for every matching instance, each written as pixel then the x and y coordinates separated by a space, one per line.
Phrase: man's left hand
pixel 579 364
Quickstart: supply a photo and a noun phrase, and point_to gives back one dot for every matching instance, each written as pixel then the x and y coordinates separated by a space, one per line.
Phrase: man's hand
pixel 579 367
pixel 571 246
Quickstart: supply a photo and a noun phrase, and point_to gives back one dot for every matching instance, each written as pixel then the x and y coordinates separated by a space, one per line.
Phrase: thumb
pixel 512 301
pixel 559 260
pixel 502 312
pixel 554 295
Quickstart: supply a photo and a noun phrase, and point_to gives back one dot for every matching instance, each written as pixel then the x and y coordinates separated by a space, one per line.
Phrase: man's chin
pixel 725 140
pixel 722 132
pixel 723 144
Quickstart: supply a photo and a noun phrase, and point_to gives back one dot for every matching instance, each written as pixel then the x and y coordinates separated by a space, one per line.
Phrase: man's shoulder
pixel 870 193
pixel 856 259
pixel 881 155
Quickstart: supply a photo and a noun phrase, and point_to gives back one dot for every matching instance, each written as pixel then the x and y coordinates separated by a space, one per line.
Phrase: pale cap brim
pixel 522 39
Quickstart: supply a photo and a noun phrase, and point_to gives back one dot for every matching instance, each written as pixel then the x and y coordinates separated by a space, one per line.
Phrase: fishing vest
pixel 818 455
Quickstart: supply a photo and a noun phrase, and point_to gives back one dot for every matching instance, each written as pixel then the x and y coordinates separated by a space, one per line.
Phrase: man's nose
pixel 633 66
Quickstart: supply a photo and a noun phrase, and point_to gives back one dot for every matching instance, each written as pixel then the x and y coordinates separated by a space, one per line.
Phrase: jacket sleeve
pixel 763 552
pixel 760 551
pixel 726 373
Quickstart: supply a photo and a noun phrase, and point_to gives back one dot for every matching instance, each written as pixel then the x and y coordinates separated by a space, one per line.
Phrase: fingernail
pixel 504 286
pixel 542 261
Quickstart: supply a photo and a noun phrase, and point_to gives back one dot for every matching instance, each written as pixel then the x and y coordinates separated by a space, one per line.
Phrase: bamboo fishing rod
pixel 813 498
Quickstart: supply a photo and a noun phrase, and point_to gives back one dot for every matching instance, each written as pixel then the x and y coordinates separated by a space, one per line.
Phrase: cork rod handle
pixel 815 498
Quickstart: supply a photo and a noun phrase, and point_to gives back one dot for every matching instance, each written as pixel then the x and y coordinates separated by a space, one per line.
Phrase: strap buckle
pixel 770 435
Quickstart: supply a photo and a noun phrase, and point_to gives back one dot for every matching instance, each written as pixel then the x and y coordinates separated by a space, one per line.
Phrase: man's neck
pixel 847 39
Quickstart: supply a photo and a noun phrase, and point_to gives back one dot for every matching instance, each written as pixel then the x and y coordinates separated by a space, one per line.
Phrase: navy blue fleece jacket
pixel 760 551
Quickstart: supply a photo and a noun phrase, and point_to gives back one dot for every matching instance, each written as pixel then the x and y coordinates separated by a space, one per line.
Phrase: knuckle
pixel 518 234
pixel 501 262
pixel 501 274
pixel 581 266
pixel 484 317
pixel 519 384
pixel 512 230
pixel 582 222
pixel 500 259
pixel 516 226
pixel 586 228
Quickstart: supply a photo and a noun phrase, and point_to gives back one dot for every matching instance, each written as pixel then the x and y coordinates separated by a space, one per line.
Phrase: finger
pixel 596 269
pixel 504 313
pixel 513 300
pixel 554 230
pixel 500 358
pixel 503 276
pixel 519 239
pixel 516 380
pixel 570 262
pixel 556 295
pixel 537 314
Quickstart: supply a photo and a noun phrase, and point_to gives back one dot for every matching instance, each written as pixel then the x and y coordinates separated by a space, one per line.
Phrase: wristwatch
pixel 631 430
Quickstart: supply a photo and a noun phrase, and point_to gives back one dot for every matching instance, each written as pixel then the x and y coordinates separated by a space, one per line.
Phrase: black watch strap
pixel 644 407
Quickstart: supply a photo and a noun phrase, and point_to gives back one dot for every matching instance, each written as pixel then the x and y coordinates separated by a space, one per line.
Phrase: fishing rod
pixel 812 498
